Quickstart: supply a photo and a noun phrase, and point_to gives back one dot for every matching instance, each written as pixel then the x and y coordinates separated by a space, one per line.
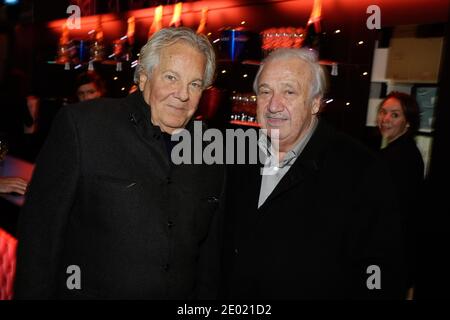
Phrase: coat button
pixel 169 180
pixel 236 251
pixel 166 267
pixel 169 224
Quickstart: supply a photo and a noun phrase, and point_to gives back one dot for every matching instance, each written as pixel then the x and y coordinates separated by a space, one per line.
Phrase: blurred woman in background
pixel 398 120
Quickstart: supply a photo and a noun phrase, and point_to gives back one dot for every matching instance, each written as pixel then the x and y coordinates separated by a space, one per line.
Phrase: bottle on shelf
pixel 131 25
pixel 63 45
pixel 157 21
pixel 176 17
pixel 312 37
pixel 97 48
pixel 202 26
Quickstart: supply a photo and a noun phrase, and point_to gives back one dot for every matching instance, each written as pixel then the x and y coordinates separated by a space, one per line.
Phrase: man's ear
pixel 142 80
pixel 315 106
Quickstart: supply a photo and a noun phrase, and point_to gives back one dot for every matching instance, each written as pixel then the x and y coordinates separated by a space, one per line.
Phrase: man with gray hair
pixel 318 222
pixel 108 215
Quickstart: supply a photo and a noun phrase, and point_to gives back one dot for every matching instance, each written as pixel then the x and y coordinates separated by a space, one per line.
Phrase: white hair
pixel 319 80
pixel 150 52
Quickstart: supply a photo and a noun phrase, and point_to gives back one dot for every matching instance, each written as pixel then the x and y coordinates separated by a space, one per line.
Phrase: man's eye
pixel 196 85
pixel 170 77
pixel 290 92
pixel 264 92
pixel 394 115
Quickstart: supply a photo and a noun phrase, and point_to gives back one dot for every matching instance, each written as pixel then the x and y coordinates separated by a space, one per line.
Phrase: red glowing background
pixel 259 15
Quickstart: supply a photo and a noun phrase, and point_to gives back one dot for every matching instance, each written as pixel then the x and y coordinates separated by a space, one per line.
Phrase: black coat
pixel 326 222
pixel 105 197
pixel 406 168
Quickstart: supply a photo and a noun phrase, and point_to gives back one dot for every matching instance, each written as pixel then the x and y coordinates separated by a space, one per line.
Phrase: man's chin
pixel 171 125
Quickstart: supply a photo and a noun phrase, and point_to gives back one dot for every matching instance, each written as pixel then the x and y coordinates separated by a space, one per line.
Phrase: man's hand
pixel 13 184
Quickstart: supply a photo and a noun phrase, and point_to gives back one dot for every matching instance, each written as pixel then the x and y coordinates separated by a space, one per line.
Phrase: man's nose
pixel 182 92
pixel 275 104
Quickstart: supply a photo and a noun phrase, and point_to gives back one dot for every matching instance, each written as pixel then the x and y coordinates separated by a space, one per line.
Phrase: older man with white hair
pixel 108 215
pixel 319 222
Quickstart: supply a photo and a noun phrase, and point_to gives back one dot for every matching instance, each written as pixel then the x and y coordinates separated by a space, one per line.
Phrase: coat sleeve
pixel 46 210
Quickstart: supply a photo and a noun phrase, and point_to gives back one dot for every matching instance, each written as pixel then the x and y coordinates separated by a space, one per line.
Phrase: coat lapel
pixel 138 115
pixel 300 172
pixel 306 166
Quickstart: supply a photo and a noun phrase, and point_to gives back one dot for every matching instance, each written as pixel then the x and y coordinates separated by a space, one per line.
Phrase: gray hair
pixel 319 80
pixel 150 52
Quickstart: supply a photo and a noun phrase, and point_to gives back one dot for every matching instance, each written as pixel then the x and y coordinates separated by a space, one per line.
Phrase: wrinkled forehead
pixel 286 70
pixel 183 55
pixel 180 48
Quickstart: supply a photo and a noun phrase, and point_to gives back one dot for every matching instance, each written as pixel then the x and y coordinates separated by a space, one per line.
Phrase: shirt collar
pixel 294 153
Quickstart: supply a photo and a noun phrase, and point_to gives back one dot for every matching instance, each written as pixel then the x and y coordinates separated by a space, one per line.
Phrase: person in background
pixel 320 220
pixel 398 120
pixel 89 85
pixel 108 215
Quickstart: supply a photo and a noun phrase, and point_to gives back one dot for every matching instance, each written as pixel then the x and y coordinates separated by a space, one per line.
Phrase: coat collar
pixel 402 140
pixel 139 109
pixel 139 114
pixel 307 165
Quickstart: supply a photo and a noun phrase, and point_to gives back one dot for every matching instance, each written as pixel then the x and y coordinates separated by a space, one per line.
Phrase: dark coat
pixel 406 168
pixel 326 222
pixel 105 197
